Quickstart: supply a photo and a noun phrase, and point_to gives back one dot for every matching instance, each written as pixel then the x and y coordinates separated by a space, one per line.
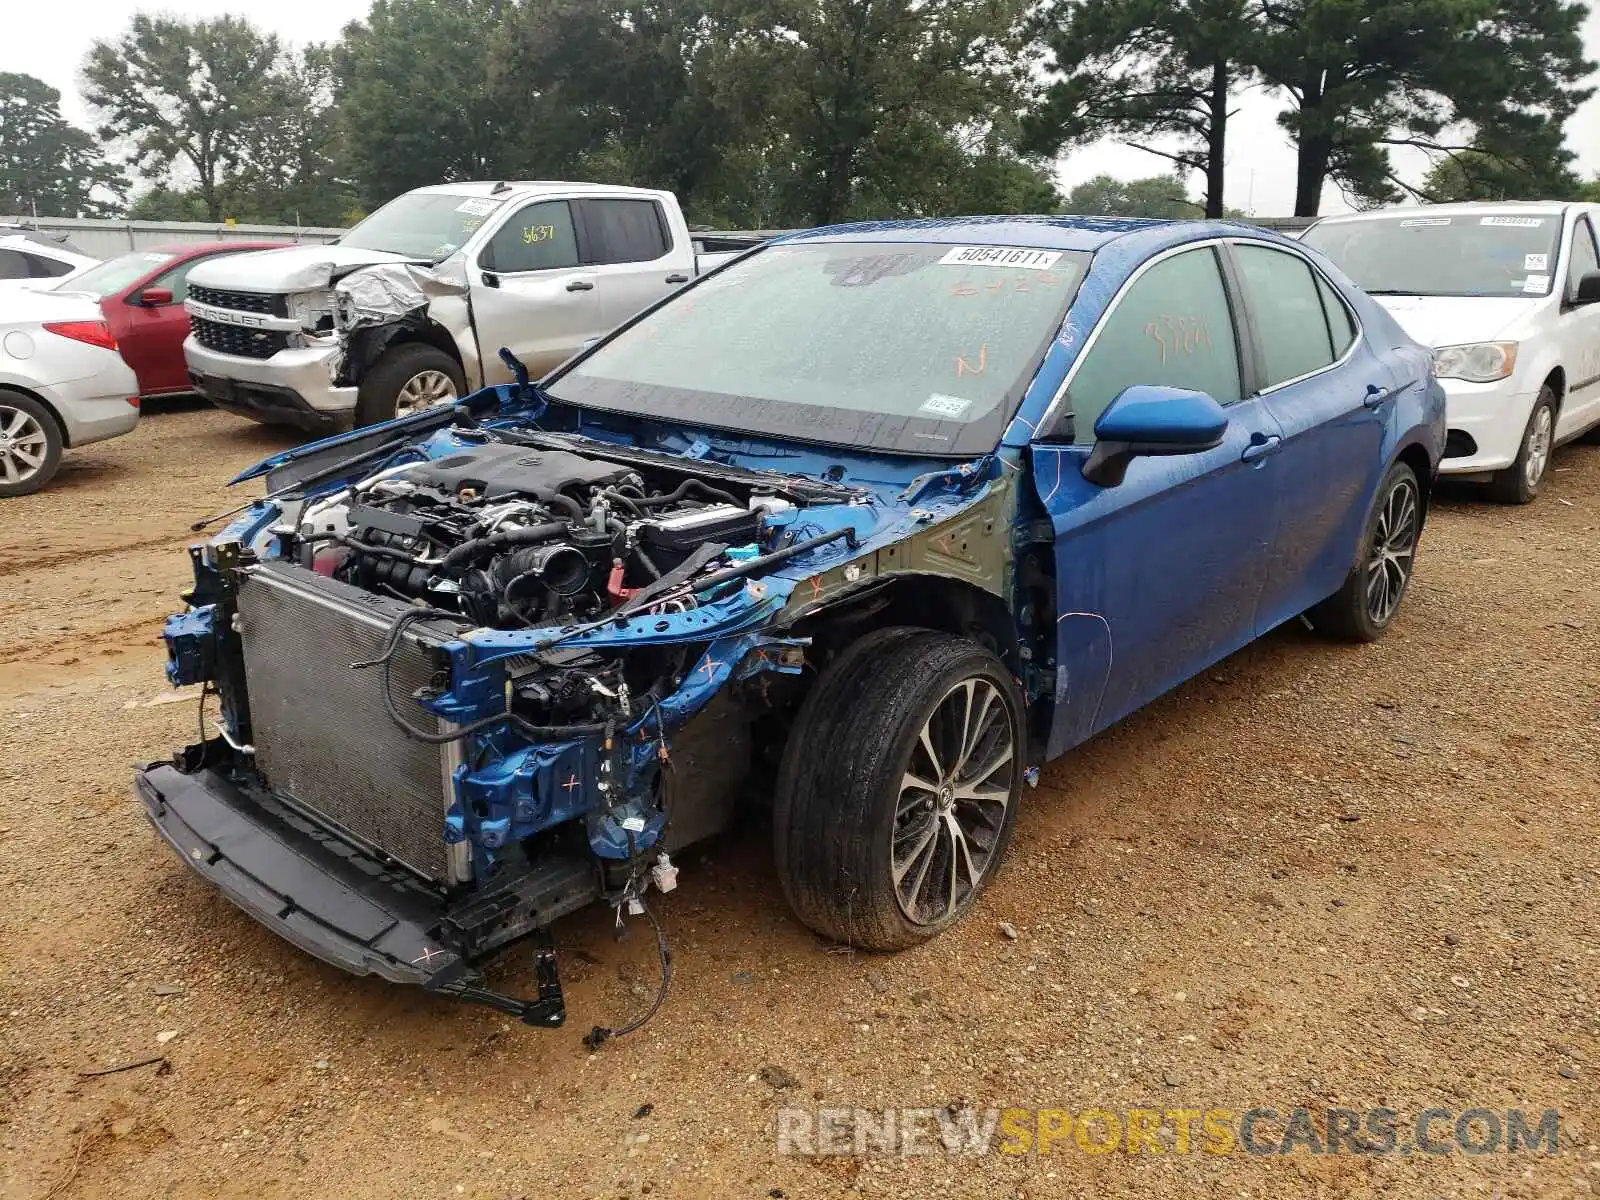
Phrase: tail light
pixel 95 333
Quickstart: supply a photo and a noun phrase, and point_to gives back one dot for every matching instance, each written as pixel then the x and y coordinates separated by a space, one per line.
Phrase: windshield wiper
pixel 1390 292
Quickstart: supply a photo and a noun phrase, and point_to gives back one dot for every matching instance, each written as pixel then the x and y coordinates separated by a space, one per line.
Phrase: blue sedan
pixel 899 511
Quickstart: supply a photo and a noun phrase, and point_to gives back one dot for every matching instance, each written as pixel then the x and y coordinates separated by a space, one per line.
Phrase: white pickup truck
pixel 1508 296
pixel 412 307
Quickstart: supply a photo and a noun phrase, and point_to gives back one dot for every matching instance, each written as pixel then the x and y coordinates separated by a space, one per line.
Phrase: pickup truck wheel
pixel 1364 607
pixel 30 444
pixel 408 379
pixel 898 790
pixel 1519 483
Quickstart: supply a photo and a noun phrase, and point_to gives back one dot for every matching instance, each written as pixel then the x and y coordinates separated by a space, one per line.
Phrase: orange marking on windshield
pixel 963 367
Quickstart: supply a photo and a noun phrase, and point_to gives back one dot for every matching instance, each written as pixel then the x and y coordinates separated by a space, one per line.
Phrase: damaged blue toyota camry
pixel 862 528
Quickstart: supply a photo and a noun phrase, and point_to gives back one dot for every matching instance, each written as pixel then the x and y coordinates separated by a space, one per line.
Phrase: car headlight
pixel 1478 362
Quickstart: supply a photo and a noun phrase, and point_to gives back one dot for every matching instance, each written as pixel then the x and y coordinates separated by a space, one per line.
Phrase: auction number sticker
pixel 1001 256
pixel 1411 222
pixel 1513 222
pixel 476 206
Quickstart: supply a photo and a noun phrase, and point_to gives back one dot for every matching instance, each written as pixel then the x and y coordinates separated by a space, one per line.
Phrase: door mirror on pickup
pixel 1148 420
pixel 1588 289
pixel 154 297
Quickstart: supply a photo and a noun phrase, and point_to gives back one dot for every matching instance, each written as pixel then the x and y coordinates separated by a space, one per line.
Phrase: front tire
pixel 1364 608
pixel 1519 483
pixel 30 444
pixel 899 788
pixel 408 378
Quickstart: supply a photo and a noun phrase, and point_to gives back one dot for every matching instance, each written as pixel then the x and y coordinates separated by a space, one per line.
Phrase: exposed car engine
pixel 515 537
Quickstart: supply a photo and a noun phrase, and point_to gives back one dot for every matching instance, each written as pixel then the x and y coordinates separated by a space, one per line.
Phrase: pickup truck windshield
pixel 907 347
pixel 422 225
pixel 1495 254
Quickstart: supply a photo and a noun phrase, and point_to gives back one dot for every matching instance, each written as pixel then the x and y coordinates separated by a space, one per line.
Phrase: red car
pixel 142 294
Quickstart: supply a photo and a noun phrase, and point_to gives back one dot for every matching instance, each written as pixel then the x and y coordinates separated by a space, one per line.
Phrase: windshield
pixel 1499 254
pixel 423 225
pixel 111 276
pixel 909 347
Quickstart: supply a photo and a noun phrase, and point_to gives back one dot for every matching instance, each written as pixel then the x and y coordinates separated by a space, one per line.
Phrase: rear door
pixel 635 262
pixel 1159 576
pixel 531 291
pixel 1578 328
pixel 1331 394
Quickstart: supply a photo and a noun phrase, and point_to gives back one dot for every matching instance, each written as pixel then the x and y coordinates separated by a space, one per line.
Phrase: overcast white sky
pixel 49 40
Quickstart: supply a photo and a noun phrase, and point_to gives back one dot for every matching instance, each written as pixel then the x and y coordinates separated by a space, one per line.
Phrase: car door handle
pixel 677 279
pixel 580 285
pixel 1375 395
pixel 1260 446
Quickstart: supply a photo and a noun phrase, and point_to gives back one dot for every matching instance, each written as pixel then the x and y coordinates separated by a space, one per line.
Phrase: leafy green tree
pixel 1366 75
pixel 48 166
pixel 291 169
pixel 416 97
pixel 1142 70
pixel 1533 170
pixel 1163 196
pixel 179 92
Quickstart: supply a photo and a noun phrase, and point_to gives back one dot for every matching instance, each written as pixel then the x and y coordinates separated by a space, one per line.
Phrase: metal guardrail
pixel 105 238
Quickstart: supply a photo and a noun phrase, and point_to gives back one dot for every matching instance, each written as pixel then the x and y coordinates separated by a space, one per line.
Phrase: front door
pixel 1159 576
pixel 1578 328
pixel 530 292
pixel 151 336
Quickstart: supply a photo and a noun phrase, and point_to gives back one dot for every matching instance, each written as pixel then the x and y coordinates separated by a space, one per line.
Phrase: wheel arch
pixel 924 600
pixel 1416 456
pixel 1556 380
pixel 45 403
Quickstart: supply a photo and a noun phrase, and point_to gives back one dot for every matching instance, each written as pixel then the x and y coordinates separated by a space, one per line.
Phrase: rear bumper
pixel 309 889
pixel 96 406
pixel 294 386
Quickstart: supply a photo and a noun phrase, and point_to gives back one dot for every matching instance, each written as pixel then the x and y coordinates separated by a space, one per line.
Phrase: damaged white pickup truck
pixel 412 306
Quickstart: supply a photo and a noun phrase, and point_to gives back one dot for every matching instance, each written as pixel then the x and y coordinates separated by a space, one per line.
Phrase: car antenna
pixel 502 186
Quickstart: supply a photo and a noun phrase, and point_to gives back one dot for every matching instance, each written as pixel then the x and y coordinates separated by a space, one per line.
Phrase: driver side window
pixel 1172 328
pixel 1583 259
pixel 540 237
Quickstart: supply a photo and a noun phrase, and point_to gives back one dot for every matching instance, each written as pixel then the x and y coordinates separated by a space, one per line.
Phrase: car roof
pixel 1033 232
pixel 1465 208
pixel 523 187
pixel 183 249
pixel 34 240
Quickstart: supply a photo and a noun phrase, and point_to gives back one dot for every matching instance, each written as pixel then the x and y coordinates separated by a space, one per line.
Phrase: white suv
pixel 1508 294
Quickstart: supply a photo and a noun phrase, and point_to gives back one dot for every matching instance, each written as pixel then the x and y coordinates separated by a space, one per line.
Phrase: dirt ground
pixel 1319 875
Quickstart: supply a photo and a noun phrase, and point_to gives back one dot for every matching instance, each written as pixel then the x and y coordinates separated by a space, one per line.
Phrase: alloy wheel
pixel 23 445
pixel 1394 545
pixel 1540 436
pixel 952 804
pixel 423 390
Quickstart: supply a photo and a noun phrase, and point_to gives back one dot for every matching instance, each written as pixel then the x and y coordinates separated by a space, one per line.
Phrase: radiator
pixel 322 735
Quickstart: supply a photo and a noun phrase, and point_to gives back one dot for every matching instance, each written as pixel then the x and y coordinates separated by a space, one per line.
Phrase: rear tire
pixel 898 790
pixel 408 378
pixel 30 444
pixel 1520 482
pixel 1364 608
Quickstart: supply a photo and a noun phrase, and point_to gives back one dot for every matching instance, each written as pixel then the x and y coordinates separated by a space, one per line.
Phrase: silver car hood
pixel 291 269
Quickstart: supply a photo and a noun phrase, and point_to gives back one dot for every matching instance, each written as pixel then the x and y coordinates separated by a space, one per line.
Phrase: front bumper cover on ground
pixel 320 894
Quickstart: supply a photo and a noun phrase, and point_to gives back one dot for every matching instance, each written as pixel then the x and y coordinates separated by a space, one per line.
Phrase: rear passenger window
pixel 538 238
pixel 1172 328
pixel 41 267
pixel 1340 325
pixel 14 265
pixel 625 231
pixel 1290 326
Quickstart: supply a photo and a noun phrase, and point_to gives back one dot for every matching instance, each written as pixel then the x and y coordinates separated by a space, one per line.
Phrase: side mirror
pixel 1588 289
pixel 1148 420
pixel 153 297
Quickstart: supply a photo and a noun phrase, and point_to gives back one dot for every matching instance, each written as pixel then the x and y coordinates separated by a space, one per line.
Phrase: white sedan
pixel 62 384
pixel 30 259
